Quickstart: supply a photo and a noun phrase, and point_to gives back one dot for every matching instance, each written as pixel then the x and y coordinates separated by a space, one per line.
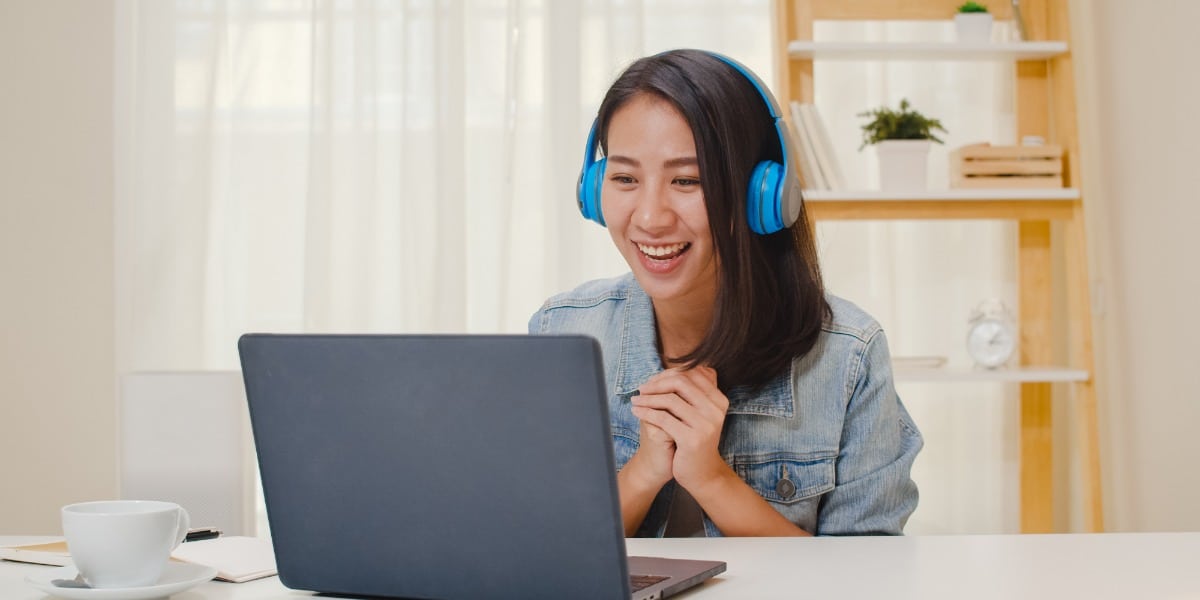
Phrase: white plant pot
pixel 975 28
pixel 903 164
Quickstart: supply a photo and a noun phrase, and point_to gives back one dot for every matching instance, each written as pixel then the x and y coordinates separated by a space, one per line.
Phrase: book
pixel 50 553
pixel 810 172
pixel 236 558
pixel 806 180
pixel 823 144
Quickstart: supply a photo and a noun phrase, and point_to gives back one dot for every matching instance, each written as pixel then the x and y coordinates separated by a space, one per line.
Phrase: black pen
pixel 202 533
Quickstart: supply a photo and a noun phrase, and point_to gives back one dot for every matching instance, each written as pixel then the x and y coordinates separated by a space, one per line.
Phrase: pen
pixel 201 533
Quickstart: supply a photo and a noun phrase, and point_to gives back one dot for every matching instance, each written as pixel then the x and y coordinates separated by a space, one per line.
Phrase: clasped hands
pixel 681 412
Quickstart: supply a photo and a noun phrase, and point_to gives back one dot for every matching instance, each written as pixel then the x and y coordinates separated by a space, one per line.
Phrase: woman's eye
pixel 622 179
pixel 687 181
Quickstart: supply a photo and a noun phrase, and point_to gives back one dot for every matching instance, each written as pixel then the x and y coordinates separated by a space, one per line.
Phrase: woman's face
pixel 653 204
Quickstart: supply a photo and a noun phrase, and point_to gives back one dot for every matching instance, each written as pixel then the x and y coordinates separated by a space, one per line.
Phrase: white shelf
pixel 943 195
pixel 979 375
pixel 951 51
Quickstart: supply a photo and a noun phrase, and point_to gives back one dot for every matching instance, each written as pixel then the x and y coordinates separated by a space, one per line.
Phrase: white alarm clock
pixel 991 334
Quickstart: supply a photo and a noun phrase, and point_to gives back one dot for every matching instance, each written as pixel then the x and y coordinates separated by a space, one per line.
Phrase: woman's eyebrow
pixel 682 161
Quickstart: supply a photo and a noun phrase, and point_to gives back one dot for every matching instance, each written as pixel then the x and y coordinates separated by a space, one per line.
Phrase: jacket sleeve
pixel 874 492
pixel 535 322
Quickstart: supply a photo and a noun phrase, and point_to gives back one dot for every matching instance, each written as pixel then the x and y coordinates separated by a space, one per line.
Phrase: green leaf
pixel 903 124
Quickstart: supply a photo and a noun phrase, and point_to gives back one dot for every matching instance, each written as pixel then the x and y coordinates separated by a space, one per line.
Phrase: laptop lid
pixel 437 466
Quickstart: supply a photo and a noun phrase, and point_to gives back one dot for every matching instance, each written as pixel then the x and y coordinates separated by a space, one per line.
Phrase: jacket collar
pixel 639 341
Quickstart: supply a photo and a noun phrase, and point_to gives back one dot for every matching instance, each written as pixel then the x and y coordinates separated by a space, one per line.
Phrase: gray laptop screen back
pixel 437 466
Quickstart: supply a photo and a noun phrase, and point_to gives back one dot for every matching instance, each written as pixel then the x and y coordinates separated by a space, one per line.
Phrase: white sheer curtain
pixel 409 166
pixel 307 165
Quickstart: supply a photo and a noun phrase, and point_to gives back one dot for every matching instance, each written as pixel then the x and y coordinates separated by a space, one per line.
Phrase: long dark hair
pixel 770 300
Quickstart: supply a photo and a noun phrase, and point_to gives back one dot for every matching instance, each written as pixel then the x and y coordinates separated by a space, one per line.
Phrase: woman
pixel 744 400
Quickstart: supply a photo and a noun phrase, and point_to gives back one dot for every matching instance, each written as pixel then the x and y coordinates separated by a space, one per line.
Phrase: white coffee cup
pixel 123 543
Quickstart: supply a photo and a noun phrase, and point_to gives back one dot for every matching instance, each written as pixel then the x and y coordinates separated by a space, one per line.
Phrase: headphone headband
pixel 773 198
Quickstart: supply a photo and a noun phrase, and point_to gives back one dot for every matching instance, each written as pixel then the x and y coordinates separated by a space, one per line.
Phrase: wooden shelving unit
pixel 949 195
pixel 973 375
pixel 943 51
pixel 1016 204
pixel 1045 107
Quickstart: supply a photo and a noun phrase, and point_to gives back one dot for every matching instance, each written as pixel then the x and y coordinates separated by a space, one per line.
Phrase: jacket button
pixel 785 488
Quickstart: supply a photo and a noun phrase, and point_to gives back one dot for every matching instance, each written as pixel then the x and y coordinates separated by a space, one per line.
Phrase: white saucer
pixel 175 578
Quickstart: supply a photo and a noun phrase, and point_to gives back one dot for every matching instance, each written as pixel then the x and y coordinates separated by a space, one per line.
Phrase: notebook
pixel 444 467
pixel 237 559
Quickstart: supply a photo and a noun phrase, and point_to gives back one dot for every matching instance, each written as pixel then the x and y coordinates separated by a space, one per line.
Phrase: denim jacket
pixel 828 445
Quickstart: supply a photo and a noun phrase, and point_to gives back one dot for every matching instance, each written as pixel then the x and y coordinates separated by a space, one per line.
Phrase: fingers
pixel 702 378
pixel 673 403
pixel 663 420
pixel 685 404
pixel 698 387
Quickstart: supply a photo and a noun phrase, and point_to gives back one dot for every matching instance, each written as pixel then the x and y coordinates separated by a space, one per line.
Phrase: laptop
pixel 429 466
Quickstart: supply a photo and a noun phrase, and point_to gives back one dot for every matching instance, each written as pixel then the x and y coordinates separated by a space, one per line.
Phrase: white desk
pixel 1092 566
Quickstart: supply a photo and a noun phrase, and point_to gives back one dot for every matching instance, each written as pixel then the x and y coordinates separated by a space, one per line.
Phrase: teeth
pixel 659 251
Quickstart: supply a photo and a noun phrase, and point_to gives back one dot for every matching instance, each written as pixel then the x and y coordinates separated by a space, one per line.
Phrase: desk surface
pixel 1093 566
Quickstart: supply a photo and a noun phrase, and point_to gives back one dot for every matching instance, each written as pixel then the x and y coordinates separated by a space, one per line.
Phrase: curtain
pixel 385 165
pixel 410 166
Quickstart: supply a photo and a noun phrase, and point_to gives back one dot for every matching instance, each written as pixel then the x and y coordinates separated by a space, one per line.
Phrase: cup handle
pixel 185 523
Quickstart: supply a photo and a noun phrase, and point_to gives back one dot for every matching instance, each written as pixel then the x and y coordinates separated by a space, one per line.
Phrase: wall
pixel 1138 91
pixel 57 382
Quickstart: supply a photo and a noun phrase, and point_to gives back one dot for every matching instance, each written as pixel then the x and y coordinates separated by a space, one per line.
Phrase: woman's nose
pixel 654 210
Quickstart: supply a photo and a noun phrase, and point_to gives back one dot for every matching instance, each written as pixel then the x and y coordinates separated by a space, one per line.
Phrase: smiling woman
pixel 744 400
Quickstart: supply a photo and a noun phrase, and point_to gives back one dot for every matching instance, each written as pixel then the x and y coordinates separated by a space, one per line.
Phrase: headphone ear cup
pixel 763 202
pixel 589 191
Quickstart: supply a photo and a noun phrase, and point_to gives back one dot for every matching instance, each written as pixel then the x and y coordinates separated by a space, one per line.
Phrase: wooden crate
pixel 988 166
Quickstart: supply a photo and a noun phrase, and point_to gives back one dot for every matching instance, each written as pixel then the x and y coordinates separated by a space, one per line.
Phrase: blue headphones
pixel 773 198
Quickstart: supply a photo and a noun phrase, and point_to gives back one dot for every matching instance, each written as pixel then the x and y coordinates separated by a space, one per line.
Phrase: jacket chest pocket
pixel 792 485
pixel 787 480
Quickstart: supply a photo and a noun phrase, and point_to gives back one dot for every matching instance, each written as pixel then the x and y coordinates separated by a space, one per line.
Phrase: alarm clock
pixel 991 334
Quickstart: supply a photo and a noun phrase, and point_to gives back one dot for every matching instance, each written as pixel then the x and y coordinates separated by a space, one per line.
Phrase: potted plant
pixel 973 23
pixel 902 139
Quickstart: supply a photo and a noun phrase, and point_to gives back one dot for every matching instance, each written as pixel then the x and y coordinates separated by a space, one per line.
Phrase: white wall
pixel 57 381
pixel 1139 90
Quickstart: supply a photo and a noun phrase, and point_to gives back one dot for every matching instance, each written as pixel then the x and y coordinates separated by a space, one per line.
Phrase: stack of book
pixel 819 168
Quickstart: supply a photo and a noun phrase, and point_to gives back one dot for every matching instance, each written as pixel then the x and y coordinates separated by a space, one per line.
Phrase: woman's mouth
pixel 662 259
pixel 663 253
